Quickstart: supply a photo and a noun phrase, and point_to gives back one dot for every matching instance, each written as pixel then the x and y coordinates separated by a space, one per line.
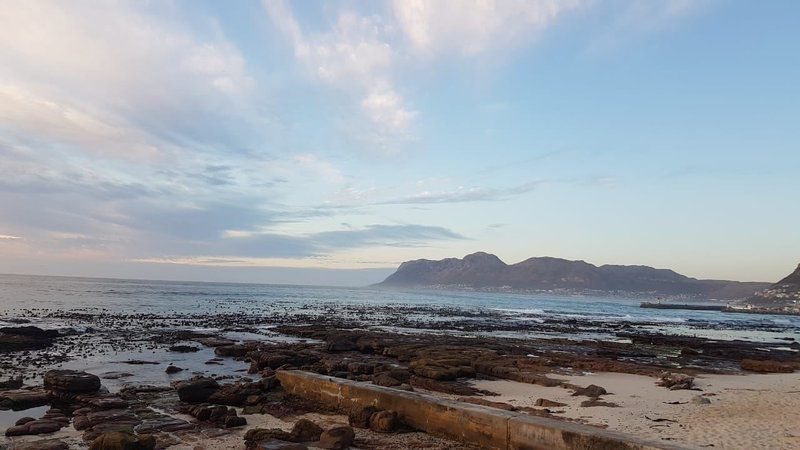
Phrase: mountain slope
pixel 486 271
pixel 783 293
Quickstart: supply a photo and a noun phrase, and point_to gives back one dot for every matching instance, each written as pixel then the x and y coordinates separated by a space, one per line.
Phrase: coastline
pixel 521 349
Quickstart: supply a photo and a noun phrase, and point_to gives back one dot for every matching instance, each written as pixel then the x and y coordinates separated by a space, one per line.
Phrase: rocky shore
pixel 211 377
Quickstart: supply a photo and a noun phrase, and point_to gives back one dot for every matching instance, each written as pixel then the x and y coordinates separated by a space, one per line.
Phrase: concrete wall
pixel 474 424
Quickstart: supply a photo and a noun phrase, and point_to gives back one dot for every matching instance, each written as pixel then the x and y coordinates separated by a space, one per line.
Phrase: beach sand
pixel 746 411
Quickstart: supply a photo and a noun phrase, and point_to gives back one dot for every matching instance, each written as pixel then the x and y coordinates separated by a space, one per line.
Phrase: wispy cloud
pixel 355 57
pixel 473 27
pixel 8 237
pixel 464 194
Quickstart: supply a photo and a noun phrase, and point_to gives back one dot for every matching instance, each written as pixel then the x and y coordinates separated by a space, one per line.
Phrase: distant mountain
pixel 486 271
pixel 783 293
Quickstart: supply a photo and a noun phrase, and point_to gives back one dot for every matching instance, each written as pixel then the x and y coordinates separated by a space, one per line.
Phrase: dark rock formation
pixel 66 380
pixel 197 389
pixel 384 422
pixel 116 440
pixel 767 366
pixel 14 339
pixel 485 271
pixel 337 438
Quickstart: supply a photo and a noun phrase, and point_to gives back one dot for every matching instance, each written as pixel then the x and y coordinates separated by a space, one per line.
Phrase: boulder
pixel 548 403
pixel 255 436
pixel 43 444
pixel 197 389
pixel 359 417
pixel 21 399
pixel 66 380
pixel 675 381
pixel 337 438
pixel 117 440
pixel 700 400
pixel 590 391
pixel 172 369
pixel 595 401
pixel 385 379
pixel 38 426
pixel 24 420
pixel 384 422
pixel 305 430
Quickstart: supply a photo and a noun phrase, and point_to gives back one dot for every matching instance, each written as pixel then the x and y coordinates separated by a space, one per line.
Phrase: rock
pixel 305 430
pixel 234 421
pixel 11 383
pixel 44 444
pixel 448 387
pixel 24 420
pixel 275 444
pixel 341 343
pixel 30 331
pixel 255 436
pixel 115 375
pixel 359 417
pixel 548 403
pixel 337 438
pixel 37 426
pixel 595 401
pixel 21 399
pixel 215 341
pixel 489 403
pixel 173 369
pixel 590 391
pixel 91 419
pixel 196 390
pixel 116 440
pixel 384 379
pixel 14 339
pixel 699 400
pixel 766 366
pixel 676 381
pixel 66 380
pixel 184 349
pixel 235 394
pixel 110 402
pixel 384 422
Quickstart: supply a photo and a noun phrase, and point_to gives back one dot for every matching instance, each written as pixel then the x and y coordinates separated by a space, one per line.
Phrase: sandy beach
pixel 745 411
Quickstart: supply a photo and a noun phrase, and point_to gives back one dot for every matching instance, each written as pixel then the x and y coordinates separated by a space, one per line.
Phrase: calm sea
pixel 19 293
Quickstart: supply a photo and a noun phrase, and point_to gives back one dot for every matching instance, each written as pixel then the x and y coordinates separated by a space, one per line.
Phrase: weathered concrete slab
pixel 478 425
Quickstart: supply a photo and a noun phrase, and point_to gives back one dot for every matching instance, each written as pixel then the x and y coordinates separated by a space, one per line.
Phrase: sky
pixel 326 142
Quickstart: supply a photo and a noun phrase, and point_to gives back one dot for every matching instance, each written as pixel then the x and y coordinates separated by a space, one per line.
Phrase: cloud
pixel 355 57
pixel 464 194
pixel 115 80
pixel 473 27
pixel 384 235
pixel 8 237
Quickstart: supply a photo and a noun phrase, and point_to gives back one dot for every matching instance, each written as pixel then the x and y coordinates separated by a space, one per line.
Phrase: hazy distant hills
pixel 486 271
pixel 782 293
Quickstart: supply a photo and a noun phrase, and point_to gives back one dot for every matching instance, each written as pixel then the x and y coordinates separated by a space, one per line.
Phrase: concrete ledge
pixel 474 424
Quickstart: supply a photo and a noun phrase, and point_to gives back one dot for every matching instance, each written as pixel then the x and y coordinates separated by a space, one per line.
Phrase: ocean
pixel 38 296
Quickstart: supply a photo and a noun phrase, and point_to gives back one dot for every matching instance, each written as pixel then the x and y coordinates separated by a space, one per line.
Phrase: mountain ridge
pixel 483 270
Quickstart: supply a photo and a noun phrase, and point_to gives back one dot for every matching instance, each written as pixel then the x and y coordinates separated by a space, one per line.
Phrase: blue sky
pixel 315 142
